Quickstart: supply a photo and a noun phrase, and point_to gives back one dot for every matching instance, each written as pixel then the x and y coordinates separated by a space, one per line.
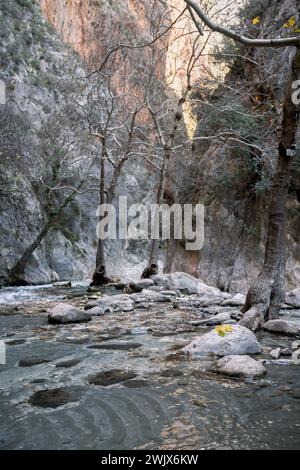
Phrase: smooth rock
pixel 237 342
pixel 240 366
pixel 282 327
pixel 65 313
pixel 96 311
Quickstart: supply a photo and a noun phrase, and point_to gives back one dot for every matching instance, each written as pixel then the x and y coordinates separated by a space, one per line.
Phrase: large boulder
pixel 238 340
pixel 293 298
pixel 240 366
pixel 65 313
pixel 283 327
pixel 185 282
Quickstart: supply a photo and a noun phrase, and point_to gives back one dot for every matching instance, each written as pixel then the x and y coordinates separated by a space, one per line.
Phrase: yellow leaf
pixel 256 20
pixel 297 30
pixel 290 23
pixel 222 330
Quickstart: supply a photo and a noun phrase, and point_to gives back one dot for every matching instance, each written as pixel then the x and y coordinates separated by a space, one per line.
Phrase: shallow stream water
pixel 162 402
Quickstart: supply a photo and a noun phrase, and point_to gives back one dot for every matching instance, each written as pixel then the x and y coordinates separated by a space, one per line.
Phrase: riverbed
pixel 120 382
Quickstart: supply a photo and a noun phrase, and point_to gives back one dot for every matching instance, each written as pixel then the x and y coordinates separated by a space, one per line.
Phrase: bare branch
pixel 278 42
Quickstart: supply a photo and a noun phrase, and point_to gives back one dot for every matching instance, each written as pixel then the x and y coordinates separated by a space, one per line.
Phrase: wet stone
pixel 111 377
pixel 32 361
pixel 136 383
pixel 68 364
pixel 55 397
pixel 15 342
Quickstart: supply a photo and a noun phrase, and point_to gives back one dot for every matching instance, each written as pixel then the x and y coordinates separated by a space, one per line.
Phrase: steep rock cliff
pixel 233 183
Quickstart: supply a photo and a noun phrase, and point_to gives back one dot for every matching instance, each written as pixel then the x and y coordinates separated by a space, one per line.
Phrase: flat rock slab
pixel 32 361
pixel 111 377
pixel 283 327
pixel 54 398
pixel 240 366
pixel 66 313
pixel 116 346
pixel 237 342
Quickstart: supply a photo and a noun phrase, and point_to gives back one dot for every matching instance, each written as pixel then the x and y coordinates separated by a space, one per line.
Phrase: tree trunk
pixel 16 274
pixel 152 267
pixel 100 276
pixel 267 293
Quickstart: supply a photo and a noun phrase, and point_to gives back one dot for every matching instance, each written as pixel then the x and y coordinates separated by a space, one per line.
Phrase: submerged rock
pixel 68 363
pixel 238 341
pixel 111 377
pixel 32 361
pixel 282 327
pixel 55 397
pixel 66 313
pixel 240 366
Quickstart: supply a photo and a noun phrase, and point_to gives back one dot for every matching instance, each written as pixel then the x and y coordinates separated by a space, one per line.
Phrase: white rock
pixel 240 366
pixel 275 353
pixel 239 341
pixel 65 313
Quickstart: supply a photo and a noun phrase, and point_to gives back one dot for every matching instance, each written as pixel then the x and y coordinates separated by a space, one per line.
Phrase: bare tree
pixel 58 180
pixel 267 293
pixel 111 113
